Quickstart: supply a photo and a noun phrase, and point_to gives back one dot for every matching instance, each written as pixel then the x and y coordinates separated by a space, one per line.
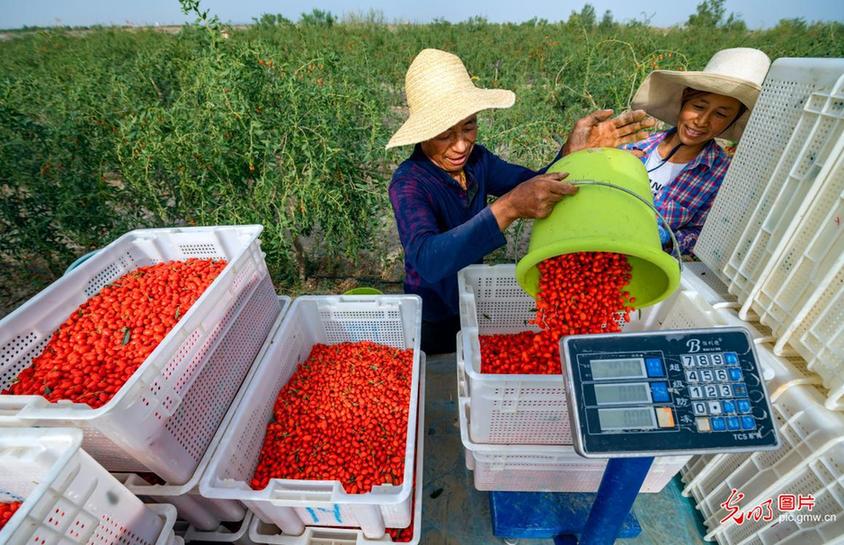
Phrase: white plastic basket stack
pixel 159 420
pixel 292 504
pixel 808 463
pixel 788 86
pixel 545 468
pixel 205 515
pixel 803 165
pixel 515 409
pixel 69 498
pixel 261 532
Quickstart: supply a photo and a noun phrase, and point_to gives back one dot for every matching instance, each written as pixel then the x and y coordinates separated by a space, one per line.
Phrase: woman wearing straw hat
pixel 439 194
pixel 685 164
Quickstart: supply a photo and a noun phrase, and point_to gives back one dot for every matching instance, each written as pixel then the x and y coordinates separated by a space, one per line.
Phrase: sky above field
pixel 756 13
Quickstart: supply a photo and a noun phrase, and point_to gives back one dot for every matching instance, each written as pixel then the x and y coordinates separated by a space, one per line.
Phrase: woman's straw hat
pixel 439 94
pixel 737 73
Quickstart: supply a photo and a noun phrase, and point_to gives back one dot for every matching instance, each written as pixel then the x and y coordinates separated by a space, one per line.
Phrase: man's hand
pixel 534 198
pixel 597 130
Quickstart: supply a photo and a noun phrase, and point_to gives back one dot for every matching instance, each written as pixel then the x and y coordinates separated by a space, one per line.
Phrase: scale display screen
pixel 626 419
pixel 666 393
pixel 608 394
pixel 623 368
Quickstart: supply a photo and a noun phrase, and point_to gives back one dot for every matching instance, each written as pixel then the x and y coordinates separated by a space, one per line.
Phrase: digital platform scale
pixel 674 392
pixel 633 396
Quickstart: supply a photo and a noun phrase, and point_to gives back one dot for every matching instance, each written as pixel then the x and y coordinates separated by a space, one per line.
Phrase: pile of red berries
pixel 579 293
pixel 104 341
pixel 6 512
pixel 342 416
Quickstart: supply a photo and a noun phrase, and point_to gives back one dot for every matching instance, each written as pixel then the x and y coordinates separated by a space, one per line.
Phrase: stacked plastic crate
pixel 515 428
pixel 197 392
pixel 308 511
pixel 774 240
pixel 164 418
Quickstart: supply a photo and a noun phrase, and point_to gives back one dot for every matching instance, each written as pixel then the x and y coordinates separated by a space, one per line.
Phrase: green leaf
pixel 127 334
pixel 47 390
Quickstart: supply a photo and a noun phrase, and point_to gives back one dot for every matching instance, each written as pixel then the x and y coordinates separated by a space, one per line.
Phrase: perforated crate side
pixel 68 497
pixel 787 86
pixel 796 179
pixel 807 432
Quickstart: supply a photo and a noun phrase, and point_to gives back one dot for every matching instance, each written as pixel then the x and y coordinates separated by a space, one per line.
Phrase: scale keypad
pixel 716 387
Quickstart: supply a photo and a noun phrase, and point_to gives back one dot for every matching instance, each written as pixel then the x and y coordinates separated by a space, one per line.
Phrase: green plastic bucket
pixel 363 291
pixel 611 212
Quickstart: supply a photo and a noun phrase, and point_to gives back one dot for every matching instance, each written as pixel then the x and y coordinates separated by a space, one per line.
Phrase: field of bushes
pixel 284 123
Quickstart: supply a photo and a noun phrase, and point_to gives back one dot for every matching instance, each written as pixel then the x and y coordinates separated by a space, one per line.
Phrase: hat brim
pixel 428 123
pixel 661 93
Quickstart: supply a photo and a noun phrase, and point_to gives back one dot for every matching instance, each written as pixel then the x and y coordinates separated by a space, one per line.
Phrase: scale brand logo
pixel 787 505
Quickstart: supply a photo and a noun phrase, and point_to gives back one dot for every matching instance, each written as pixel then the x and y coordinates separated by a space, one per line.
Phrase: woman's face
pixel 450 150
pixel 704 117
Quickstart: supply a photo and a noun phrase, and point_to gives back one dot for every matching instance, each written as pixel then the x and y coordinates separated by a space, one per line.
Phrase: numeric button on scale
pixel 699 408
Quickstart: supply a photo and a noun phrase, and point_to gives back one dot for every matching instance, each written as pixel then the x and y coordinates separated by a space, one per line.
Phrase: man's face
pixel 451 149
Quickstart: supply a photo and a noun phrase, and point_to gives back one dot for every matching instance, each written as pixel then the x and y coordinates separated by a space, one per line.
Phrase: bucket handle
pixel 674 243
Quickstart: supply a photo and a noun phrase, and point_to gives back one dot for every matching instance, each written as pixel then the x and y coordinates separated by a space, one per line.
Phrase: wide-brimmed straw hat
pixel 737 73
pixel 440 93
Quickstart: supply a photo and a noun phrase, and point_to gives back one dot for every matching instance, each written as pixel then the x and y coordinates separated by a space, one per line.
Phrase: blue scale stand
pixel 633 396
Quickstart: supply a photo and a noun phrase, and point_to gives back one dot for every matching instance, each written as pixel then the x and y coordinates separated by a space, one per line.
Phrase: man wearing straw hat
pixel 439 194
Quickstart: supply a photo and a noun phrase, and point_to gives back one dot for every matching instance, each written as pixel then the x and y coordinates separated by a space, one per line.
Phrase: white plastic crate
pixel 166 513
pixel 291 504
pixel 546 468
pixel 67 496
pixel 262 532
pixel 206 514
pixel 532 409
pixel 698 277
pixel 809 462
pixel 150 424
pixel 802 295
pixel 788 86
pixel 238 534
pixel 813 147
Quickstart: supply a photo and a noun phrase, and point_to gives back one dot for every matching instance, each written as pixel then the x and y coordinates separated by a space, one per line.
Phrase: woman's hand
pixel 597 130
pixel 534 198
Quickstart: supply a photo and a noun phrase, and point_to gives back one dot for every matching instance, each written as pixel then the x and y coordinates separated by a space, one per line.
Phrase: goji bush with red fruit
pixel 95 351
pixel 342 416
pixel 6 512
pixel 578 293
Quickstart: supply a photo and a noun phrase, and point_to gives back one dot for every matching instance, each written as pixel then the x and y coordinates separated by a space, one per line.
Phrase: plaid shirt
pixel 685 202
pixel 443 227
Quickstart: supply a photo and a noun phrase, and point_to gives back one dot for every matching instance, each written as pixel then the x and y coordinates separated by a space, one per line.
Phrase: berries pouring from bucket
pixel 579 293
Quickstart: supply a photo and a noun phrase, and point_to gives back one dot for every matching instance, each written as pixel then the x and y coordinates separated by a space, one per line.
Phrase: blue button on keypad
pixel 743 406
pixel 659 392
pixel 654 367
pixel 739 390
pixel 718 423
pixel 747 423
pixel 729 407
pixel 731 358
pixel 735 374
pixel 733 423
